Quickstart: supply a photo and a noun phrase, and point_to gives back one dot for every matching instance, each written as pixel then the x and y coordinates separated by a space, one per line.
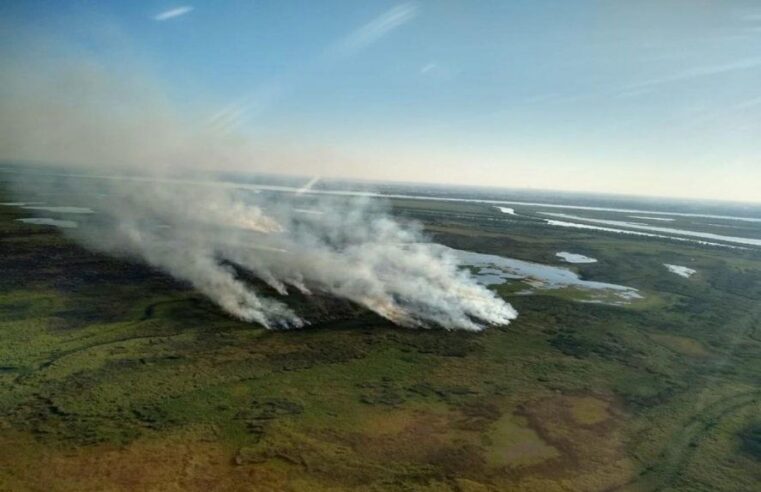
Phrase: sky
pixel 659 98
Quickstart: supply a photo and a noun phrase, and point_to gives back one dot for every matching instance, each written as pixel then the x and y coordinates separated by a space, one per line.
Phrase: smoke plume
pixel 206 232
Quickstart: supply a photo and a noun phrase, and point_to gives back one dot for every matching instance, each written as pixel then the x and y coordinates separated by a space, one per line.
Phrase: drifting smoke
pixel 205 232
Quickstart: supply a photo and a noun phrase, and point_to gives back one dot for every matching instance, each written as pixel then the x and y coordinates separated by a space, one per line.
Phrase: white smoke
pixel 208 233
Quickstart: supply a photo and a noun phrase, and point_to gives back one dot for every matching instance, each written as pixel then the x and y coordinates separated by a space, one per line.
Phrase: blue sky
pixel 648 97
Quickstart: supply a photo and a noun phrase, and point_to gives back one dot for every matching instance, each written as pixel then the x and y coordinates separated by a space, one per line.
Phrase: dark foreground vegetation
pixel 116 377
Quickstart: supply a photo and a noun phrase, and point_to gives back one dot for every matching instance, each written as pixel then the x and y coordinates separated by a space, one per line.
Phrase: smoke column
pixel 206 232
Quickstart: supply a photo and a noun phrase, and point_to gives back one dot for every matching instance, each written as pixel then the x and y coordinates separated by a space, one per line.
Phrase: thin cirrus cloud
pixel 236 114
pixel 706 71
pixel 429 67
pixel 173 13
pixel 749 103
pixel 376 29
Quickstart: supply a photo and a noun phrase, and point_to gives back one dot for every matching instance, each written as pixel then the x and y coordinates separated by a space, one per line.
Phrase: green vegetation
pixel 751 440
pixel 114 376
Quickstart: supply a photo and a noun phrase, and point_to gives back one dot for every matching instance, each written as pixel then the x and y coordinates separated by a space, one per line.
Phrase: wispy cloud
pixel 237 114
pixel 706 71
pixel 437 71
pixel 429 67
pixel 172 13
pixel 229 117
pixel 376 29
pixel 750 103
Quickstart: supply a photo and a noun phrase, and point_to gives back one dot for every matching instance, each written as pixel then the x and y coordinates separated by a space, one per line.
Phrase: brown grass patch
pixel 183 462
pixel 586 431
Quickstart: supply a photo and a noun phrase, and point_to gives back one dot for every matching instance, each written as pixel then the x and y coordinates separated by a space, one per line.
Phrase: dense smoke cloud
pixel 206 232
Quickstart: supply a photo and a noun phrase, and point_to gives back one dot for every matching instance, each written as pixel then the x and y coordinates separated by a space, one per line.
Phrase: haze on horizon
pixel 644 98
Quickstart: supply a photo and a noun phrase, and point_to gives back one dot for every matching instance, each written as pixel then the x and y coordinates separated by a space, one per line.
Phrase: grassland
pixel 115 377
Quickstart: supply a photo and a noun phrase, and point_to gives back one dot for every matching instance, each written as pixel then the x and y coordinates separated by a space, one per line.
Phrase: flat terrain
pixel 114 376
